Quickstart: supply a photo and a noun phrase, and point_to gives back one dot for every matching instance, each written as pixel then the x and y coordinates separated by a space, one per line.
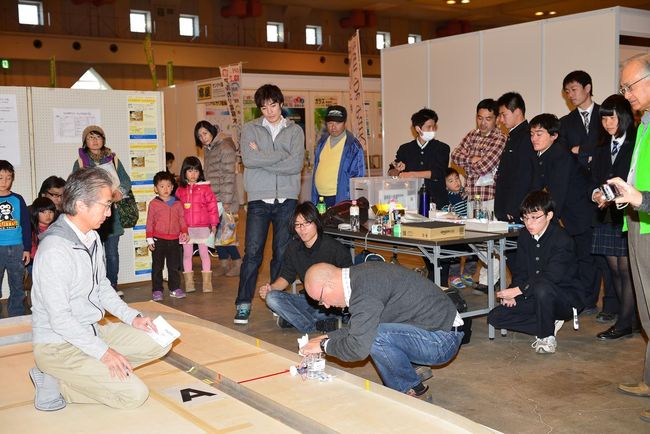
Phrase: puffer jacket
pixel 199 205
pixel 220 159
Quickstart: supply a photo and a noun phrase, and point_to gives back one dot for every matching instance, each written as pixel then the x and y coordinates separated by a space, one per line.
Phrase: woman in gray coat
pixel 220 158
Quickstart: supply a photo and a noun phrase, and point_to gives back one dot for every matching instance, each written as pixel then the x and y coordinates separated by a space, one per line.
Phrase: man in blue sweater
pixel 398 317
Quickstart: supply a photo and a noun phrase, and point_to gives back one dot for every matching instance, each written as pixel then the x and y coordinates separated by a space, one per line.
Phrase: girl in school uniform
pixel 202 218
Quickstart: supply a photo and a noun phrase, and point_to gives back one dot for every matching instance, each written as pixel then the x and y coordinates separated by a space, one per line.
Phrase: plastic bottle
pixel 397 227
pixel 477 207
pixel 315 366
pixel 432 210
pixel 355 222
pixel 423 201
pixel 321 207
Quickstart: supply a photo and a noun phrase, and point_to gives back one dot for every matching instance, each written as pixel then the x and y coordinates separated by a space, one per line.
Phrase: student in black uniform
pixel 545 285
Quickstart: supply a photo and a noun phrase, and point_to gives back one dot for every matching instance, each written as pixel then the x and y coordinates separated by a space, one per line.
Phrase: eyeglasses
pixel 628 87
pixel 56 195
pixel 532 219
pixel 107 206
pixel 302 225
pixel 320 299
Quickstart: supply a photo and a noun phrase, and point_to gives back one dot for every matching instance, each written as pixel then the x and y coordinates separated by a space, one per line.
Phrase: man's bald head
pixel 323 284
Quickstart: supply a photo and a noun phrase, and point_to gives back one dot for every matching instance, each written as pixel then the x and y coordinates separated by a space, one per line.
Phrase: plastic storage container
pixel 378 189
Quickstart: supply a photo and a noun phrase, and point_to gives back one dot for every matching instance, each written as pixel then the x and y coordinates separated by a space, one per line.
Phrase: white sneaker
pixel 558 325
pixel 545 346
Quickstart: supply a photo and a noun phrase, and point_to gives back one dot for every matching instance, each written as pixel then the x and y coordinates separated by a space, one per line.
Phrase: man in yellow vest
pixel 635 87
pixel 337 158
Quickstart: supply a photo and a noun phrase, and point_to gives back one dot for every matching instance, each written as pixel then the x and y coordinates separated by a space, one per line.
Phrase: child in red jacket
pixel 165 227
pixel 202 218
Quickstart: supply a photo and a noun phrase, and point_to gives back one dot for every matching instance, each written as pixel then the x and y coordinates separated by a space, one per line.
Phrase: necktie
pixel 615 147
pixel 585 115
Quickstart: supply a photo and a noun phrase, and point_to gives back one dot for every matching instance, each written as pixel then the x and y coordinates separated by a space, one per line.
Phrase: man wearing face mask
pixel 425 157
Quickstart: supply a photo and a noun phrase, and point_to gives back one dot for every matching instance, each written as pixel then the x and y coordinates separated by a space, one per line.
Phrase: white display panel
pixel 58 158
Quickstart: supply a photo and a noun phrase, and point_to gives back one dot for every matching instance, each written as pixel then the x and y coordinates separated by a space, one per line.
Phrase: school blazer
pixel 572 133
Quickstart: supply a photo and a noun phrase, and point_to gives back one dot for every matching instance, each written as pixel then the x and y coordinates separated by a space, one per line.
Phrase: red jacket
pixel 199 204
pixel 164 221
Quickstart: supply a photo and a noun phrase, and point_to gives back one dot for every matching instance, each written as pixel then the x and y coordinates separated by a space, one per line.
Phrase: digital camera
pixel 609 191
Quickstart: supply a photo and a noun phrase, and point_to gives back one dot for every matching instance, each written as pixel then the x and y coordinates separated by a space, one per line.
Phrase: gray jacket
pixel 387 293
pixel 70 291
pixel 220 159
pixel 273 169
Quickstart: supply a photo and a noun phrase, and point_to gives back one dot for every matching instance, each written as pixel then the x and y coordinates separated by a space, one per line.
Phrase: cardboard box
pixel 433 231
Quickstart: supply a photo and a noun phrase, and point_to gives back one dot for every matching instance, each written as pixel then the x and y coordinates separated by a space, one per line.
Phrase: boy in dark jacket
pixel 545 286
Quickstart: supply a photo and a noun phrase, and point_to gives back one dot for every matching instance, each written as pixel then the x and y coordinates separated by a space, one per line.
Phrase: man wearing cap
pixel 338 157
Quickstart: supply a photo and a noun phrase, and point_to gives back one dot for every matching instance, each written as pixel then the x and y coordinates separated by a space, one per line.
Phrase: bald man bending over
pixel 398 317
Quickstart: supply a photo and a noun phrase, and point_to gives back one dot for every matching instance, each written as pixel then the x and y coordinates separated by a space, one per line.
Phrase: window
pixel 188 25
pixel 30 12
pixel 274 32
pixel 313 35
pixel 413 38
pixel 140 21
pixel 383 40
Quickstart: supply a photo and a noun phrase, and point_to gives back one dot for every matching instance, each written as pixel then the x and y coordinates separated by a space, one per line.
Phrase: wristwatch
pixel 323 342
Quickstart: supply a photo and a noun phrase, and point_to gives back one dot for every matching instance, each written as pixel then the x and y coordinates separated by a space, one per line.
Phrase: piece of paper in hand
pixel 166 333
pixel 302 341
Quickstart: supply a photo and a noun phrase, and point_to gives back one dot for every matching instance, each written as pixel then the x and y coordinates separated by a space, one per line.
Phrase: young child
pixel 165 227
pixel 545 286
pixel 201 217
pixel 15 239
pixel 455 193
pixel 42 213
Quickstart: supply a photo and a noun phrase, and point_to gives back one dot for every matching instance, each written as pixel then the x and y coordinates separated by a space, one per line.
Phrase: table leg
pixel 490 252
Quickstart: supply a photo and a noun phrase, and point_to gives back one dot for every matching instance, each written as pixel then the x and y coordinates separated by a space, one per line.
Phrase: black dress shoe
pixel 612 333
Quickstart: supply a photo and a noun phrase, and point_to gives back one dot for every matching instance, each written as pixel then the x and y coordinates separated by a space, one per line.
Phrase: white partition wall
pixel 511 62
pixel 454 83
pixel 456 72
pixel 563 52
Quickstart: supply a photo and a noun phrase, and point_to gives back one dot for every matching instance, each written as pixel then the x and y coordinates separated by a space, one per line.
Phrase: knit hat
pixel 92 129
pixel 336 113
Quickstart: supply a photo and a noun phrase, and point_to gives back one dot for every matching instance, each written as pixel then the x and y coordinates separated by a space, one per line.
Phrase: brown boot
pixel 222 268
pixel 189 281
pixel 207 281
pixel 234 268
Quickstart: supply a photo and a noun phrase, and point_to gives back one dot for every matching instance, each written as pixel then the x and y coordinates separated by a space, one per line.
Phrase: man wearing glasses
pixel 398 318
pixel 544 286
pixel 310 247
pixel 70 295
pixel 635 86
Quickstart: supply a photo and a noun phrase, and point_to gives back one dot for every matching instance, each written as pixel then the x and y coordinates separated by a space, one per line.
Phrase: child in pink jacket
pixel 201 217
pixel 165 228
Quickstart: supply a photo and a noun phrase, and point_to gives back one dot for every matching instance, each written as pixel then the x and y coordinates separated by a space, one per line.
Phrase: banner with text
pixel 357 107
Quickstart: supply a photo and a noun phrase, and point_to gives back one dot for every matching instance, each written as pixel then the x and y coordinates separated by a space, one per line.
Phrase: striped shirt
pixel 489 148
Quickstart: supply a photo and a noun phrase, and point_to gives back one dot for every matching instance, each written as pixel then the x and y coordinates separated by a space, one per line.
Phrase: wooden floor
pixel 236 384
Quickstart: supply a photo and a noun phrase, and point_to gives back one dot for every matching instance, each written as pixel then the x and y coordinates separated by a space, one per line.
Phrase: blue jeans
pixel 226 252
pixel 260 214
pixel 397 346
pixel 112 254
pixel 11 259
pixel 296 309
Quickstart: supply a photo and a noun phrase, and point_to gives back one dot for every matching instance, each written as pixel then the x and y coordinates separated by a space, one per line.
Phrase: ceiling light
pixel 451 2
pixel 539 13
pixel 552 13
pixel 464 1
